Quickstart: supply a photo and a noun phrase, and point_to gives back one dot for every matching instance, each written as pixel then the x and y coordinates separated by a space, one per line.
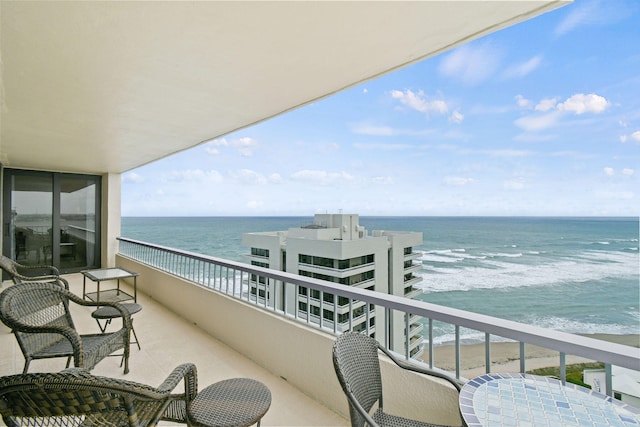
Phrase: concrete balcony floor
pixel 167 341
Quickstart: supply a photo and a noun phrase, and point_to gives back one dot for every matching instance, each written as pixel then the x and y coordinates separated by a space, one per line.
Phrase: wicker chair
pixel 75 397
pixel 31 273
pixel 355 359
pixel 39 316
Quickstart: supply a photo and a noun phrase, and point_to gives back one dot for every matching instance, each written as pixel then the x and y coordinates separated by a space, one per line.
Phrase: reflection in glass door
pixel 52 219
pixel 31 218
pixel 77 221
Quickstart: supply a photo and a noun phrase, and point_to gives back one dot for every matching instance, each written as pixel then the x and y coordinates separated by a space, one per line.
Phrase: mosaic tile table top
pixel 533 401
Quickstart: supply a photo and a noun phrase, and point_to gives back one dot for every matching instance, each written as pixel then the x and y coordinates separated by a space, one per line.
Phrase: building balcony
pixel 414 267
pixel 410 292
pixel 412 280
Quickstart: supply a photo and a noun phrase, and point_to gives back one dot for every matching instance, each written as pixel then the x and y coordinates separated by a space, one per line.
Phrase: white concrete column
pixel 111 220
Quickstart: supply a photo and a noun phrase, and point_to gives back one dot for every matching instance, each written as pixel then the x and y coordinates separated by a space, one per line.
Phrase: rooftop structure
pixel 338 249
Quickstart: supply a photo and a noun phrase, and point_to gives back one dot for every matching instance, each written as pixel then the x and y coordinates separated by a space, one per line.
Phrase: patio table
pixel 531 400
pixel 113 295
pixel 109 313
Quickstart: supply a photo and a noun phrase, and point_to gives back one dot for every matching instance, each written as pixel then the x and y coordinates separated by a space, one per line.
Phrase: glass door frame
pixel 57 177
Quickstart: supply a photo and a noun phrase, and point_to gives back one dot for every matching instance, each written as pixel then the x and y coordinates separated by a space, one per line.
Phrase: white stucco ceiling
pixel 98 87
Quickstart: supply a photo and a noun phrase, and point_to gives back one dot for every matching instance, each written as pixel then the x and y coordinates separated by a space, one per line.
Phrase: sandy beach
pixel 506 355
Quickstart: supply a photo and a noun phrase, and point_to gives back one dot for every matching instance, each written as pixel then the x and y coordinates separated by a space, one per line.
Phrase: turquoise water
pixel 578 275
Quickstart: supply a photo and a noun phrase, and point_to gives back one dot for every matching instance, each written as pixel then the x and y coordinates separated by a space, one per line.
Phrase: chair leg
pixel 135 336
pixel 125 357
pixel 103 328
pixel 27 360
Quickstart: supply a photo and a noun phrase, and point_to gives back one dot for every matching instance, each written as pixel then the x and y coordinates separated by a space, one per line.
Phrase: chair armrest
pixel 176 410
pixel 49 278
pixel 358 407
pixel 422 370
pixel 66 331
pixel 53 271
pixel 186 371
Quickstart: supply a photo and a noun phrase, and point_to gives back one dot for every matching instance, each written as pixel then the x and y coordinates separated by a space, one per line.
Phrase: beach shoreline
pixel 505 356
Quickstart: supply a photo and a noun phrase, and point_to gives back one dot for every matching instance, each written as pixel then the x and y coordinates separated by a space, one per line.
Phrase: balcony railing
pixel 235 280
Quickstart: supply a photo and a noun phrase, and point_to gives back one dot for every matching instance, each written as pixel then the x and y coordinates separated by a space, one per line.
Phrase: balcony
pixel 168 340
pixel 199 309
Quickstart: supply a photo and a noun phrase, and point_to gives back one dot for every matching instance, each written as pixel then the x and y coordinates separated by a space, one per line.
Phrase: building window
pixel 260 252
pixel 343 264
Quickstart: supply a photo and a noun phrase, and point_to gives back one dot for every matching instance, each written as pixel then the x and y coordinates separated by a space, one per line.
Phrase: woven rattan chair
pixel 75 397
pixel 355 359
pixel 31 273
pixel 39 316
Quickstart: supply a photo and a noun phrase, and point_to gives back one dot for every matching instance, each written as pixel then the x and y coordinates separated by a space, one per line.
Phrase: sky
pixel 539 119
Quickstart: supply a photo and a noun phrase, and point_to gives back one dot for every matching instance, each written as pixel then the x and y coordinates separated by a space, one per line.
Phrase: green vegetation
pixel 574 372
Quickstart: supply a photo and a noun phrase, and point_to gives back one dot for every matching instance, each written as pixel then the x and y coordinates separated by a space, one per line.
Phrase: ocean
pixel 577 275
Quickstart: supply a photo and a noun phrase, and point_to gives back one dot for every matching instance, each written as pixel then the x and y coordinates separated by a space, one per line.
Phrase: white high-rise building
pixel 336 248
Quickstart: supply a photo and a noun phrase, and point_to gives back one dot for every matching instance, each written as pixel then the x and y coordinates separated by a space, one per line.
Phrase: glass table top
pixel 108 274
pixel 530 401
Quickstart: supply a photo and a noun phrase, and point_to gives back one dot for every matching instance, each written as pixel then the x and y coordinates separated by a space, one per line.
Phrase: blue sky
pixel 542 118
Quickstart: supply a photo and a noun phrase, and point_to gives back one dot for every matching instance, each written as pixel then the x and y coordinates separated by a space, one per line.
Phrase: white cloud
pixel 275 178
pixel 244 146
pixel 595 12
pixel 133 177
pixel 457 181
pixel 523 102
pixel 456 117
pixel 581 103
pixel 197 175
pixel 211 147
pixel 523 68
pixel 546 104
pixel 636 136
pixel 628 171
pixel 579 15
pixel 609 171
pixel 321 177
pixel 550 111
pixel 250 177
pixel 418 101
pixel 471 63
pixel 538 122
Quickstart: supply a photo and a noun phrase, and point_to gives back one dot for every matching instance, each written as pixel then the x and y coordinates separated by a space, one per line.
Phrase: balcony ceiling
pixel 100 86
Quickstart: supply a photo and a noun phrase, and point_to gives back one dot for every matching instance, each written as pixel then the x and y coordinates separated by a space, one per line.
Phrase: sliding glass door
pixel 52 219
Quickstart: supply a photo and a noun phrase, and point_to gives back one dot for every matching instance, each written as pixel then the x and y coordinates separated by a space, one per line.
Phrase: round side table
pixel 233 402
pixel 109 313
